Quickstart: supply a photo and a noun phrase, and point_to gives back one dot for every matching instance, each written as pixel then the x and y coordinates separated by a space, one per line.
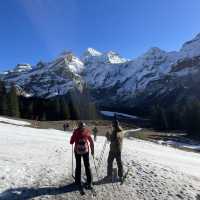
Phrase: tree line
pixel 74 105
pixel 182 116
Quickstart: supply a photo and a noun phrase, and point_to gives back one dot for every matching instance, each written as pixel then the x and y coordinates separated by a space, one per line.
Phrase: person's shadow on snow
pixel 104 181
pixel 198 197
pixel 25 193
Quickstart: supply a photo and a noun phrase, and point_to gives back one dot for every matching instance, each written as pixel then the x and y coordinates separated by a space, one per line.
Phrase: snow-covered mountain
pixel 49 79
pixel 112 79
pixel 191 48
pixel 91 56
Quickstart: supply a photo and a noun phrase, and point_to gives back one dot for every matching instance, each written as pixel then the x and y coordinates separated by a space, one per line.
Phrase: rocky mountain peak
pixel 91 52
pixel 192 47
pixel 22 67
pixel 114 57
pixel 93 56
pixel 154 52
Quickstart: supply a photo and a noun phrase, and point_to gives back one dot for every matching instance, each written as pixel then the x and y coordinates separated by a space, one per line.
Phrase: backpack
pixel 82 146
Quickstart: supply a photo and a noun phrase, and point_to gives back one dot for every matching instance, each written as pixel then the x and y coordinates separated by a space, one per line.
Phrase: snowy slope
pixel 155 72
pixel 36 164
pixel 14 122
pixel 191 48
pixel 50 79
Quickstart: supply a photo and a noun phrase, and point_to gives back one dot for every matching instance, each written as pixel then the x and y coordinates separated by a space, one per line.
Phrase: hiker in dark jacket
pixel 116 139
pixel 65 126
pixel 95 131
pixel 81 136
pixel 108 136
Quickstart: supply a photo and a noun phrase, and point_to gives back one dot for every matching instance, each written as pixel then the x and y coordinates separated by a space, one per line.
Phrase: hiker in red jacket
pixel 81 136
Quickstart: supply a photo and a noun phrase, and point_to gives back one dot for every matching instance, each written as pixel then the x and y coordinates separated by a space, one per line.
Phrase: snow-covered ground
pixel 180 144
pixel 36 164
pixel 12 121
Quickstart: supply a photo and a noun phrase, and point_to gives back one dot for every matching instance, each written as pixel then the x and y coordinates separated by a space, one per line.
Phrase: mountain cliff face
pixel 113 81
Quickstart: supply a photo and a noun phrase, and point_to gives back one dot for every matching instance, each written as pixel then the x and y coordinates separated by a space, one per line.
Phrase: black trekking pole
pixel 73 157
pixel 101 154
pixel 73 162
pixel 95 167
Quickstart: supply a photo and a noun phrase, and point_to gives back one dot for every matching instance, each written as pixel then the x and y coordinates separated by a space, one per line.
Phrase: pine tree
pixel 73 110
pixel 192 118
pixel 3 101
pixel 159 118
pixel 164 120
pixel 92 111
pixel 30 110
pixel 74 105
pixel 52 109
pixel 174 117
pixel 13 102
pixel 64 109
pixel 57 109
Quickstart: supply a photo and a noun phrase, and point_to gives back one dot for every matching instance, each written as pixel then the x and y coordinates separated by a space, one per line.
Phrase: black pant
pixel 111 157
pixel 78 168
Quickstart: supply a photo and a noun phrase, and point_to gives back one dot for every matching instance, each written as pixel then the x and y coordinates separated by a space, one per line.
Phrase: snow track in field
pixel 36 164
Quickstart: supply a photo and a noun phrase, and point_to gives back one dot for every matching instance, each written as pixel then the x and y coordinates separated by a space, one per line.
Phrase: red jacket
pixel 82 134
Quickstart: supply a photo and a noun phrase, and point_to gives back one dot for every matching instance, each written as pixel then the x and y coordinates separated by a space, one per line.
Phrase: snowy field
pixel 36 164
pixel 15 122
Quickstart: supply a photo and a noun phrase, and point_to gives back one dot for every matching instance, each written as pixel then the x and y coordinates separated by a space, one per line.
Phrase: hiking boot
pixel 88 186
pixel 77 183
pixel 120 179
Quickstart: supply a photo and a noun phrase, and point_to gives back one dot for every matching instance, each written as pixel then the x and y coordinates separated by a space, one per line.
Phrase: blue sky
pixel 33 30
